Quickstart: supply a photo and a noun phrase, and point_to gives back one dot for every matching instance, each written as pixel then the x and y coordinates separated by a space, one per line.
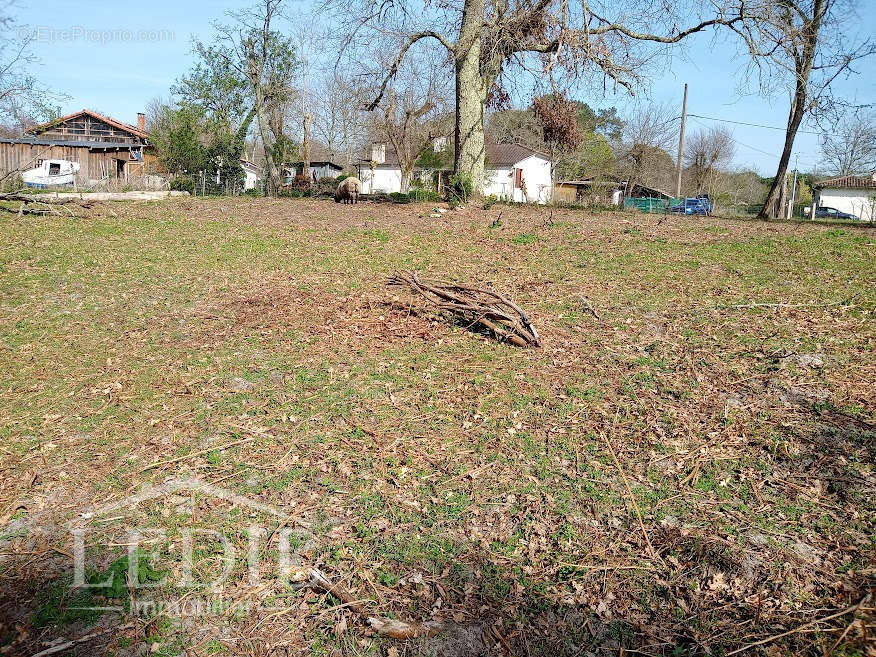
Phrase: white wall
pixel 537 177
pixel 251 179
pixel 854 201
pixel 498 182
pixel 384 179
pixel 536 180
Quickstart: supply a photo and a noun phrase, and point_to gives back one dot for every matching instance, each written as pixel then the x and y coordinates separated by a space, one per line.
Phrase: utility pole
pixel 681 144
pixel 793 187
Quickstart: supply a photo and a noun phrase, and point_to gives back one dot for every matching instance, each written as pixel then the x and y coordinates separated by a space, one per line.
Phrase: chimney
pixel 378 152
pixel 141 122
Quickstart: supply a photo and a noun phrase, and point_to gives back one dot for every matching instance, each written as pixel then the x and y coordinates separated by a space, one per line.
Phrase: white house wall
pixel 498 182
pixel 384 179
pixel 251 181
pixel 853 201
pixel 536 180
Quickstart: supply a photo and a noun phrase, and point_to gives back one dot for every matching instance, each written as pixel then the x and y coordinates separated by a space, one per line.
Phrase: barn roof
pixel 35 141
pixel 100 117
pixel 848 182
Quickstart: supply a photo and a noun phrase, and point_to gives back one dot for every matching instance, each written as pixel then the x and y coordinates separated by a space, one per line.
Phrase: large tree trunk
pixel 775 200
pixel 265 133
pixel 803 68
pixel 406 175
pixel 471 97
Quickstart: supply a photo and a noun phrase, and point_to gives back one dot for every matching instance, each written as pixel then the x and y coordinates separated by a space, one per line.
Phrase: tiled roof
pixel 100 117
pixel 507 155
pixel 118 145
pixel 391 159
pixel 848 182
pixel 319 153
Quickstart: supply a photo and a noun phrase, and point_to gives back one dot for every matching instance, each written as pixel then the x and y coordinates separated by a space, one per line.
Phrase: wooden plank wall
pixel 92 165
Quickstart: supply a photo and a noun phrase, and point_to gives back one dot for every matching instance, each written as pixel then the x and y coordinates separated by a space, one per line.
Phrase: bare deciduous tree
pixel 338 119
pixel 642 152
pixel 705 153
pixel 253 49
pixel 412 114
pixel 485 39
pixel 851 147
pixel 802 47
pixel 23 100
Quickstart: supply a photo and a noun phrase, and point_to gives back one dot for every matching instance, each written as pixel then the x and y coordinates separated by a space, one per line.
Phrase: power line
pixel 743 144
pixel 759 125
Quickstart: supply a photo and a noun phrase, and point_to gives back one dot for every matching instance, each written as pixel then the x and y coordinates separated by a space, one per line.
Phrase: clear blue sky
pixel 115 60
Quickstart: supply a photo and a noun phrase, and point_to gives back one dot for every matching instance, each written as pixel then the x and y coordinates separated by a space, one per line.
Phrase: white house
pixel 516 173
pixel 381 171
pixel 853 194
pixel 253 174
pixel 513 172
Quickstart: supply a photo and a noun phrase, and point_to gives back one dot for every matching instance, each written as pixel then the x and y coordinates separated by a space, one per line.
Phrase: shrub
pixel 12 184
pixel 326 186
pixel 490 201
pixel 343 176
pixel 254 192
pixel 460 189
pixel 183 184
pixel 424 196
pixel 399 197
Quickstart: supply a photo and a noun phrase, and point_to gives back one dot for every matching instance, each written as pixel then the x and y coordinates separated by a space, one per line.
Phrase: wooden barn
pixel 104 148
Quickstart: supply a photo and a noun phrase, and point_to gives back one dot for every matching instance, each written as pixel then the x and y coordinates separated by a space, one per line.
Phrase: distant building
pixel 853 194
pixel 323 164
pixel 253 173
pixel 513 172
pixel 604 190
pixel 517 173
pixel 103 147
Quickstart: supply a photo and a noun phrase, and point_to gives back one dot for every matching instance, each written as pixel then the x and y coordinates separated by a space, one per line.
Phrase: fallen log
pixel 476 306
pixel 41 204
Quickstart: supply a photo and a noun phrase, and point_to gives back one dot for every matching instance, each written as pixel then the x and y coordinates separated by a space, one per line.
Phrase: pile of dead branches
pixel 474 306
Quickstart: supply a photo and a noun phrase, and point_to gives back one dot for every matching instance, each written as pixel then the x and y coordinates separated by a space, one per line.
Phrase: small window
pixel 54 168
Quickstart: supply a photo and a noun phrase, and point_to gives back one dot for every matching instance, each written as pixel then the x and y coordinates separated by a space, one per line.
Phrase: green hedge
pixel 424 196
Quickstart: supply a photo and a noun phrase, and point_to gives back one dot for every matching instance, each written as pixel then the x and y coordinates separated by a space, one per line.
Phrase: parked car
pixel 707 201
pixel 832 213
pixel 702 206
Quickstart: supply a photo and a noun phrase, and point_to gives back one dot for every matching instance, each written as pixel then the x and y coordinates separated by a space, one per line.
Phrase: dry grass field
pixel 686 470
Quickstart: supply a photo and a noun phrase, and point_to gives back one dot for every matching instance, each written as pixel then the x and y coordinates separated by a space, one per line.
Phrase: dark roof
pixel 72 143
pixel 319 154
pixel 100 117
pixel 316 163
pixel 849 182
pixel 507 155
pixel 391 159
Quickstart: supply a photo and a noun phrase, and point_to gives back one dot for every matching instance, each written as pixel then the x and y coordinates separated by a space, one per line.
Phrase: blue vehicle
pixel 700 205
pixel 824 212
